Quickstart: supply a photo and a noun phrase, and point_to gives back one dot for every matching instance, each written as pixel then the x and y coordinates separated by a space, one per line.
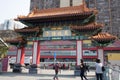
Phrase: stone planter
pixel 17 68
pixel 33 69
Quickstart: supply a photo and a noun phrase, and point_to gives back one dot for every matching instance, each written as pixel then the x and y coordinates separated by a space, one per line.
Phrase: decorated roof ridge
pixel 103 36
pixel 88 26
pixel 82 9
pixel 28 29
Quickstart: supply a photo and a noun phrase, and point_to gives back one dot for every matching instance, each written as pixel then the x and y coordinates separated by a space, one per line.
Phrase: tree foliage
pixel 3 51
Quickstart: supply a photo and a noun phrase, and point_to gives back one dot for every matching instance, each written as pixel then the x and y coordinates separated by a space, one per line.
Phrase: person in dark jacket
pixel 83 69
pixel 56 67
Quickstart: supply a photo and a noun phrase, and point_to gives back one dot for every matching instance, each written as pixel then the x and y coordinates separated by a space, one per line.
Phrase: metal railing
pixel 71 64
pixel 112 72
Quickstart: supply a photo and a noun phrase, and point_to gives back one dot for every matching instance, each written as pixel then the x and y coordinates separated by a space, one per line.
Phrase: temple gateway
pixel 62 34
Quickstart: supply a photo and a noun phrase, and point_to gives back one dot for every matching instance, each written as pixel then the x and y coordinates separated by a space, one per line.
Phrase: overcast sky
pixel 10 9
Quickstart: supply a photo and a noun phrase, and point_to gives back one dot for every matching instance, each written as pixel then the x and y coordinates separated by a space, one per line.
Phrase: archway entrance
pixel 61 51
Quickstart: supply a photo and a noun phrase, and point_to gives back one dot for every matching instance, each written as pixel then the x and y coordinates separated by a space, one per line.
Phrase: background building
pixel 108 11
pixel 1 26
pixel 108 14
pixel 11 24
pixel 45 4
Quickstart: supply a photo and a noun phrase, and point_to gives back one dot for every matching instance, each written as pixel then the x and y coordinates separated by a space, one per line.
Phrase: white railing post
pixel 106 74
pixel 110 74
pixel 119 75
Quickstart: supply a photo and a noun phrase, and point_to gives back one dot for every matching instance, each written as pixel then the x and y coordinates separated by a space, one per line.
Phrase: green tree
pixel 3 51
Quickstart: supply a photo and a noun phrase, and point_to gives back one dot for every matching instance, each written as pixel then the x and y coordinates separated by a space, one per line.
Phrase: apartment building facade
pixel 108 14
pixel 45 4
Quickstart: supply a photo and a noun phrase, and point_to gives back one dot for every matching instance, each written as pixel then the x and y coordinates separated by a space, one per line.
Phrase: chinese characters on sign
pixel 55 33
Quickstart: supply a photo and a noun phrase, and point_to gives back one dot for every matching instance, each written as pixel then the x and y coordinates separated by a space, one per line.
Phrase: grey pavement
pixel 43 74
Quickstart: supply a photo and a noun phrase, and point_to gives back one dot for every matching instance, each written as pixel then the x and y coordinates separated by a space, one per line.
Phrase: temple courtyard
pixel 43 74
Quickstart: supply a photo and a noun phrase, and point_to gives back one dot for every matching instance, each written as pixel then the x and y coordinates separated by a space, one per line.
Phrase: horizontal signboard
pixel 55 33
pixel 89 53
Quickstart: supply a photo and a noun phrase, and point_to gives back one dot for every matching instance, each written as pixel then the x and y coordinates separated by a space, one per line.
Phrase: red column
pixel 20 56
pixel 36 53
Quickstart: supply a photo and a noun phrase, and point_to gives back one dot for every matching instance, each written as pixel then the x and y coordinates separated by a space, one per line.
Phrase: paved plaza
pixel 43 74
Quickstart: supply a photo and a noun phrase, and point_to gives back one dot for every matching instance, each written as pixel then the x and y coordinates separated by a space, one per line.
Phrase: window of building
pixel 71 1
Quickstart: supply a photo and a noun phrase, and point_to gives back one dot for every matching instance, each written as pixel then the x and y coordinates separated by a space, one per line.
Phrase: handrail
pixel 112 72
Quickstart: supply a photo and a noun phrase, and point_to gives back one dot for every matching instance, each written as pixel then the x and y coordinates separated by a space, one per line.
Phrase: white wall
pixel 64 3
pixel 77 2
pixel 114 62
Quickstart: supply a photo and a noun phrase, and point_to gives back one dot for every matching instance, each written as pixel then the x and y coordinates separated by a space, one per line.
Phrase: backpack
pixel 84 67
pixel 103 68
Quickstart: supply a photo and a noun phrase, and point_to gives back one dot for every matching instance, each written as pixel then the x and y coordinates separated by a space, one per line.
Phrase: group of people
pixel 98 70
pixel 83 69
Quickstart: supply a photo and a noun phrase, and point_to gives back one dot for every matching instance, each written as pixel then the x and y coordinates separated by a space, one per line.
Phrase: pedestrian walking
pixel 82 70
pixel 56 67
pixel 99 72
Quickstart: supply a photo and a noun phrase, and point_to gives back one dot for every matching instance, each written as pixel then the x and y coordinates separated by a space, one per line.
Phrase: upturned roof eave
pixel 90 26
pixel 58 12
pixel 52 16
pixel 103 37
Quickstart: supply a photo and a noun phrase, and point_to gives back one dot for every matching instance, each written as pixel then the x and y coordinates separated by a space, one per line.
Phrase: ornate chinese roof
pixel 16 40
pixel 91 26
pixel 27 30
pixel 81 10
pixel 103 37
pixel 8 34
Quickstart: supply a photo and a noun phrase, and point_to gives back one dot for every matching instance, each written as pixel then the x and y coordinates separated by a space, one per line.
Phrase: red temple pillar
pixel 36 53
pixel 20 55
pixel 79 51
pixel 100 54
